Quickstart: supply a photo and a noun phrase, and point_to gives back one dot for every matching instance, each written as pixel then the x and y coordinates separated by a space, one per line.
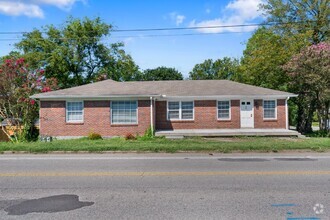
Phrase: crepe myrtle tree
pixel 309 72
pixel 17 83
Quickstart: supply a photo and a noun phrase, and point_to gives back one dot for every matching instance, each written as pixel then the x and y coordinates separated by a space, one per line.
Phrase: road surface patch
pixel 51 204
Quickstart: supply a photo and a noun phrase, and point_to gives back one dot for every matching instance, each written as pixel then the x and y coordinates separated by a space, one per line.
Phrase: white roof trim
pixel 227 97
pixel 64 97
pixel 162 97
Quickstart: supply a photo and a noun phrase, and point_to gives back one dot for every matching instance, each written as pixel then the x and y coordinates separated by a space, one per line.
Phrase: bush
pixel 319 134
pixel 94 136
pixel 148 135
pixel 130 137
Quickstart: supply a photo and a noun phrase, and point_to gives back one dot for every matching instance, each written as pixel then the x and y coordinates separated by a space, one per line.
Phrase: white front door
pixel 247 116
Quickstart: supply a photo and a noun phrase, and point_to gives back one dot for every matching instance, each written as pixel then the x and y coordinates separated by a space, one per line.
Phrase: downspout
pixel 287 113
pixel 151 117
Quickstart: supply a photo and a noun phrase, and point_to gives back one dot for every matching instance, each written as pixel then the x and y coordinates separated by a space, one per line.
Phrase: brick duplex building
pixel 113 108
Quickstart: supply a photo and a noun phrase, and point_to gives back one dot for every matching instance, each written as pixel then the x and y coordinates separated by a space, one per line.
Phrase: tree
pixel 17 83
pixel 308 17
pixel 74 54
pixel 263 57
pixel 124 69
pixel 160 73
pixel 226 68
pixel 309 72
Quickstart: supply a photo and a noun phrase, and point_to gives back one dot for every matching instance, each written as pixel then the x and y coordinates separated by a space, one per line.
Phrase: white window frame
pixel 263 107
pixel 224 119
pixel 67 111
pixel 125 123
pixel 180 111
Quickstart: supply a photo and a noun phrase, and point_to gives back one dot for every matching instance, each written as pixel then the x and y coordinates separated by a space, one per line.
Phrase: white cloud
pixel 236 12
pixel 17 8
pixel 63 4
pixel 32 8
pixel 128 40
pixel 177 18
pixel 248 9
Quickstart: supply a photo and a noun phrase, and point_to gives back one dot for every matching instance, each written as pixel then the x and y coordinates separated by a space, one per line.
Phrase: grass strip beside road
pixel 221 145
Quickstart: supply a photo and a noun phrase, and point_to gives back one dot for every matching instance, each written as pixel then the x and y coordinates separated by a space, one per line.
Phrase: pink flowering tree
pixel 17 84
pixel 310 79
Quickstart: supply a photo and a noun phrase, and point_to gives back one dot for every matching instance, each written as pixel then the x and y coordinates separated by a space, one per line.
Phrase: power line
pixel 183 28
pixel 142 36
pixel 188 28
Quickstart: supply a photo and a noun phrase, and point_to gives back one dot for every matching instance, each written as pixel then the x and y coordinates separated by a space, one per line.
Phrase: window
pixel 180 110
pixel 187 111
pixel 124 112
pixel 75 111
pixel 173 110
pixel 223 110
pixel 269 109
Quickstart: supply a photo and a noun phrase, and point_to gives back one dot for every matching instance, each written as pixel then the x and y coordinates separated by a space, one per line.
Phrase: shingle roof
pixel 180 88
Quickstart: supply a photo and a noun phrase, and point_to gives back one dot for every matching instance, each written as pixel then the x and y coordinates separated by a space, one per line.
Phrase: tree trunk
pixel 6 133
pixel 305 117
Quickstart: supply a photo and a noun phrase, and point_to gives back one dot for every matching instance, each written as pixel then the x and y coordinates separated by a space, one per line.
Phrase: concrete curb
pixel 178 152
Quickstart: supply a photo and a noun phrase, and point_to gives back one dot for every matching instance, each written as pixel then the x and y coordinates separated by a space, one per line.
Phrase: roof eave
pixel 213 97
pixel 164 97
pixel 64 97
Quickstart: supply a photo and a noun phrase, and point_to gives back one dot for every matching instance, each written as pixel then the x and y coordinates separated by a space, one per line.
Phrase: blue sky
pixel 180 52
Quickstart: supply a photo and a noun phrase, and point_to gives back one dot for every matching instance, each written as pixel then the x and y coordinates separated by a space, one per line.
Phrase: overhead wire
pixel 22 33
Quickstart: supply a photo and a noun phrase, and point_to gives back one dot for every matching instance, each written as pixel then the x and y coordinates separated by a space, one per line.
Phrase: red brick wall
pixel 259 121
pixel 96 119
pixel 205 116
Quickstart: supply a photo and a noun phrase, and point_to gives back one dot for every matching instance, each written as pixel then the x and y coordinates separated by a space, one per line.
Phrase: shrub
pixel 149 133
pixel 319 134
pixel 130 137
pixel 94 136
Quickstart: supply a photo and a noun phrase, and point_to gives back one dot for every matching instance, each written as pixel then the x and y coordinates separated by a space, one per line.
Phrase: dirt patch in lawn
pixel 224 139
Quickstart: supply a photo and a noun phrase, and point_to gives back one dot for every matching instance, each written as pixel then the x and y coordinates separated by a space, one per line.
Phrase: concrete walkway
pixel 180 133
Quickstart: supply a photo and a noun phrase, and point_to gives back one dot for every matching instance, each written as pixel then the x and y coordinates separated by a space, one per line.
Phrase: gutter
pixel 287 113
pixel 64 97
pixel 228 97
pixel 161 97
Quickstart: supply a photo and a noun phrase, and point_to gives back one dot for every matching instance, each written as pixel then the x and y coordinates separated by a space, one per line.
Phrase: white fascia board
pixel 112 97
pixel 161 97
pixel 231 97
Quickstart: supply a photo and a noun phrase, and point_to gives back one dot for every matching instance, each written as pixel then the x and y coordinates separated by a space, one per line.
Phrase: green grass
pixel 224 145
pixel 315 124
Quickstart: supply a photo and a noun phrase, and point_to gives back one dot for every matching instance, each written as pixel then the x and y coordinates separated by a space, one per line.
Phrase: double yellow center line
pixel 152 173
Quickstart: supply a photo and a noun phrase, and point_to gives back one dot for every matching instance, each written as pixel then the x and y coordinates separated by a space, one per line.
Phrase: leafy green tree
pixel 11 55
pixel 124 69
pixel 75 53
pixel 263 57
pixel 305 17
pixel 160 73
pixel 309 73
pixel 17 83
pixel 226 68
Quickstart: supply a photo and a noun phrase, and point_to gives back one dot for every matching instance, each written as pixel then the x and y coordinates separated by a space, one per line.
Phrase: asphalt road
pixel 165 186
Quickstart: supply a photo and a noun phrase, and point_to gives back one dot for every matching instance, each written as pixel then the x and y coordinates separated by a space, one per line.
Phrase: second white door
pixel 247 116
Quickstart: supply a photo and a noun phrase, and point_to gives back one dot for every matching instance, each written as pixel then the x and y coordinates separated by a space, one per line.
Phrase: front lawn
pixel 225 145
